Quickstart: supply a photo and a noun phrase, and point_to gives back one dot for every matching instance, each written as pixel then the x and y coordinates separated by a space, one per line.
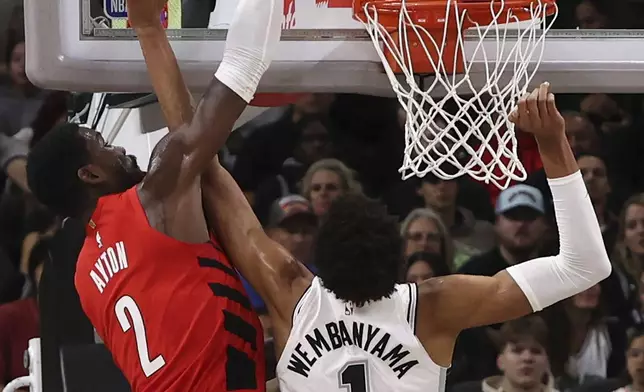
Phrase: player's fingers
pixel 542 101
pixel 533 109
pixel 522 111
pixel 552 105
pixel 514 116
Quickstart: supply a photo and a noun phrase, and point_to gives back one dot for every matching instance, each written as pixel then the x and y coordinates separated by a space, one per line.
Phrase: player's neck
pixel 86 215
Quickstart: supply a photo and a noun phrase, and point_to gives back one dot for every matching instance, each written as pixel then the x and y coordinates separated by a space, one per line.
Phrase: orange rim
pixel 430 14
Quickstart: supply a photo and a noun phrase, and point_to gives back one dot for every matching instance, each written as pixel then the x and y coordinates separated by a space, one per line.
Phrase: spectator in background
pixel 606 113
pixel 581 133
pixel 634 363
pixel 628 254
pixel 593 169
pixel 314 144
pixel 588 346
pixel 520 225
pixel 423 231
pixel 20 101
pixel 325 181
pixel 522 359
pixel 267 147
pixel 591 14
pixel 19 320
pixel 421 266
pixel 470 235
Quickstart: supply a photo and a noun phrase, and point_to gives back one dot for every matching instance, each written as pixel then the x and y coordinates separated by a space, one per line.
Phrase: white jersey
pixel 336 347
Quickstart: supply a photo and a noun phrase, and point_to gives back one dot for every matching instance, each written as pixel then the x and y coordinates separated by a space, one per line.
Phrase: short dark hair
pixel 530 327
pixel 358 250
pixel 52 169
pixel 435 261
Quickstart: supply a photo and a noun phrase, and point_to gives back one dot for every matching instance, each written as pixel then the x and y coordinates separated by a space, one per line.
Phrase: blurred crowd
pixel 293 161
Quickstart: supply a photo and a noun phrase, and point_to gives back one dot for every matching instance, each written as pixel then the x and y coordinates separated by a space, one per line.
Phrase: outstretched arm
pixel 268 267
pixel 183 155
pixel 459 302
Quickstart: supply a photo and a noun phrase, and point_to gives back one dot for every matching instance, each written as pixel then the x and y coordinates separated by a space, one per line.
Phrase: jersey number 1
pixel 353 377
pixel 126 303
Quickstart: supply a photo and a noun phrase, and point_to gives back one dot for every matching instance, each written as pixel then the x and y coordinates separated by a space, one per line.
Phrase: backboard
pixel 84 45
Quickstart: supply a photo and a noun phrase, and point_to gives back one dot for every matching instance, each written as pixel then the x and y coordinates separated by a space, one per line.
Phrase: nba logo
pixel 115 9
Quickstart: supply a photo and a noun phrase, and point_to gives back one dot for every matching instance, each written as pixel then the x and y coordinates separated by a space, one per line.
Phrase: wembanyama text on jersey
pixel 334 346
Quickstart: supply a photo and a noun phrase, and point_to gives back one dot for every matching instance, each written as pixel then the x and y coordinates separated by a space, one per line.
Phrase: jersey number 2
pixel 354 377
pixel 126 303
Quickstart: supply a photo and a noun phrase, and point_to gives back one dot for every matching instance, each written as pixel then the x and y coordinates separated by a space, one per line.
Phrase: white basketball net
pixel 477 121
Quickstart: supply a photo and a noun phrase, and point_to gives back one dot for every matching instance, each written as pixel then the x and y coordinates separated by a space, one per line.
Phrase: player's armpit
pixel 268 267
pixel 453 303
pixel 181 157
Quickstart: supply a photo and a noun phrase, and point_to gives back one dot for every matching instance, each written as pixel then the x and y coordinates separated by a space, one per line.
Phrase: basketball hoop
pixel 427 37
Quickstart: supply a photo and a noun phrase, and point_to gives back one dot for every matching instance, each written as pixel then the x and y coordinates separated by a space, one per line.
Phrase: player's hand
pixel 537 114
pixel 145 13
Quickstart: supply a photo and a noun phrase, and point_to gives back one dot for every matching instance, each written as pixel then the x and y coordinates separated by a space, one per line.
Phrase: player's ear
pixel 91 174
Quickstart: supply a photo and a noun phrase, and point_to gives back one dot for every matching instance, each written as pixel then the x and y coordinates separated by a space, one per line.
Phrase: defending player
pixel 155 285
pixel 353 328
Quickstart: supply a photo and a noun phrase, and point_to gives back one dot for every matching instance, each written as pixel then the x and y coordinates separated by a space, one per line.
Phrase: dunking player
pixel 353 328
pixel 155 285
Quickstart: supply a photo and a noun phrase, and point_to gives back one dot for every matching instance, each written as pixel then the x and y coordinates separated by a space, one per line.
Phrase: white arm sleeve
pixel 252 39
pixel 582 261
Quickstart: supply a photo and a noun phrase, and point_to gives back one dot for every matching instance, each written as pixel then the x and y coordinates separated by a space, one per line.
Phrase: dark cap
pixel 288 207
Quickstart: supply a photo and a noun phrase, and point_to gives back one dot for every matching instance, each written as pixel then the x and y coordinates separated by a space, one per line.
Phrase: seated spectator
pixel 325 181
pixel 588 346
pixel 423 231
pixel 474 236
pixel 581 133
pixel 266 148
pixel 19 321
pixel 522 359
pixel 634 363
pixel 314 143
pixel 425 265
pixel 628 254
pixel 593 169
pixel 520 225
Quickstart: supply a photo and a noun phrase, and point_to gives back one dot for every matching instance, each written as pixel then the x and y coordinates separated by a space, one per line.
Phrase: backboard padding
pixel 309 58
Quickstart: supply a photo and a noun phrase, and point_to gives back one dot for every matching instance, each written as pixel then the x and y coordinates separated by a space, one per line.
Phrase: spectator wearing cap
pixel 292 224
pixel 519 226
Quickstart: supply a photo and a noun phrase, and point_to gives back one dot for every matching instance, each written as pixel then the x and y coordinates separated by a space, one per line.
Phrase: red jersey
pixel 174 315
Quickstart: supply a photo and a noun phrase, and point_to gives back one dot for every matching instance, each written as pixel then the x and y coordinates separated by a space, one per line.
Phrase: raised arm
pixel 453 303
pixel 268 267
pixel 185 153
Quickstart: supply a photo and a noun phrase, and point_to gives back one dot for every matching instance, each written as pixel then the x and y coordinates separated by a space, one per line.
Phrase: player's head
pixel 358 250
pixel 72 166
